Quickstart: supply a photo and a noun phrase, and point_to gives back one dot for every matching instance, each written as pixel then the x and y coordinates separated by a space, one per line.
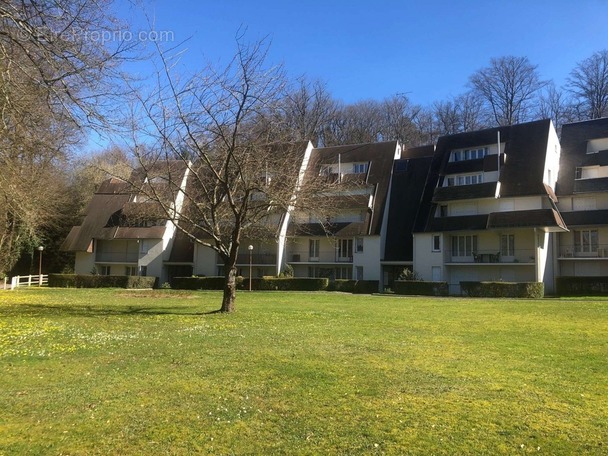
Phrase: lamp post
pixel 250 248
pixel 40 249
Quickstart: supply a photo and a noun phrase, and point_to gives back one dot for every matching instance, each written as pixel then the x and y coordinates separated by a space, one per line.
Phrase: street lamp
pixel 40 249
pixel 250 248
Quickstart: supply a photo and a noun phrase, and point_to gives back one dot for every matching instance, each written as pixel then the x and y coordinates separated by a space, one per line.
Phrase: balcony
pixel 256 258
pixel 116 257
pixel 589 252
pixel 488 257
pixel 322 258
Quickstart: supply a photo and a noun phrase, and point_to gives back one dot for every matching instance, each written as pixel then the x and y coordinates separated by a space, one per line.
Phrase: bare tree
pixel 397 120
pixel 304 111
pixel 588 83
pixel 57 71
pixel 238 185
pixel 508 86
pixel 554 104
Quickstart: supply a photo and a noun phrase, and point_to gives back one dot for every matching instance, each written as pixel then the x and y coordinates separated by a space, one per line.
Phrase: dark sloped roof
pixel 590 185
pixel 182 250
pixel 458 223
pixel 339 229
pixel 521 175
pixel 461 192
pixel 538 218
pixel 114 196
pixel 99 210
pixel 380 157
pixel 580 218
pixel 574 154
pixel 409 176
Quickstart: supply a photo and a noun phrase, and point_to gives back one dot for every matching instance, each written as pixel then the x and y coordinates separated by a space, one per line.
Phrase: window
pixel 585 241
pixel 436 243
pixel 143 246
pixel 359 245
pixel 359 168
pixel 345 249
pixel 313 249
pixel 105 270
pixel 143 271
pixel 343 273
pixel 359 275
pixel 507 245
pixel 468 154
pixel 464 246
pixel 466 179
pixel 443 211
pixel 578 173
pixel 131 270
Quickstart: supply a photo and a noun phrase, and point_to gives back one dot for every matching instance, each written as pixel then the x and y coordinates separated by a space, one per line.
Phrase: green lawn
pixel 86 372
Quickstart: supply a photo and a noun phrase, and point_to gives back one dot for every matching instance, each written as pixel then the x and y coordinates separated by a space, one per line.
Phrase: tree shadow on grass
pixel 96 311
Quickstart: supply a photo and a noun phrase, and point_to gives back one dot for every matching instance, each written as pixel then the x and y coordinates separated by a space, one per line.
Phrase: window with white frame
pixel 468 154
pixel 359 273
pixel 131 270
pixel 464 179
pixel 464 246
pixel 359 245
pixel 586 241
pixel 313 249
pixel 359 168
pixel 343 273
pixel 105 270
pixel 507 245
pixel 436 243
pixel 345 249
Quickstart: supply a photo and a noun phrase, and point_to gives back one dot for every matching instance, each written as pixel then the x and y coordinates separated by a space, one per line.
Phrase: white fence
pixel 26 281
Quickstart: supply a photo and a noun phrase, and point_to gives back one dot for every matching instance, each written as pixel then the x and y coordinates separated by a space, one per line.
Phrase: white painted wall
pixel 205 261
pixel 370 258
pixel 424 256
pixel 553 151
pixel 84 263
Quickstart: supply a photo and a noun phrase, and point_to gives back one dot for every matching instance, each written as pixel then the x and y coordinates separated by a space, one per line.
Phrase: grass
pixel 98 372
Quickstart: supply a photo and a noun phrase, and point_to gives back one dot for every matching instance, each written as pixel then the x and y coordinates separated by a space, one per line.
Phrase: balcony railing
pixel 116 257
pixel 490 256
pixel 257 258
pixel 322 258
pixel 587 251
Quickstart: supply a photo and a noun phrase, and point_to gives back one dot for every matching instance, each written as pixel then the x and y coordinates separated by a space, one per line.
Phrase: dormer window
pixel 468 154
pixel 468 179
pixel 360 168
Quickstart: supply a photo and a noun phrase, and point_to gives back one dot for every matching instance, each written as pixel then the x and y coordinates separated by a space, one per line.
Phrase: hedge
pixel 503 289
pixel 257 283
pixel 201 283
pixel 582 286
pixel 287 283
pixel 418 287
pixel 100 281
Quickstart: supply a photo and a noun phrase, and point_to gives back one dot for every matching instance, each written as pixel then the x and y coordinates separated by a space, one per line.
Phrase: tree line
pixel 57 87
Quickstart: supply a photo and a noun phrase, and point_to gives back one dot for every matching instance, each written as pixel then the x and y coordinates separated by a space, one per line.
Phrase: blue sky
pixel 372 50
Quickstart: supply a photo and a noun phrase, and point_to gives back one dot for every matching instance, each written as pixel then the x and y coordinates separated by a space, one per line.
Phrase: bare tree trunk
pixel 229 289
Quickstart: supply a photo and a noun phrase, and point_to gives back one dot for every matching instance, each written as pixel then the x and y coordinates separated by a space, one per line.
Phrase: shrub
pixel 366 286
pixel 418 287
pixel 344 285
pixel 582 286
pixel 98 281
pixel 503 289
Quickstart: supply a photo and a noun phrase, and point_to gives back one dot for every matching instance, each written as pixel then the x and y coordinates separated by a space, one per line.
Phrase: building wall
pixel 205 261
pixel 369 259
pixel 84 263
